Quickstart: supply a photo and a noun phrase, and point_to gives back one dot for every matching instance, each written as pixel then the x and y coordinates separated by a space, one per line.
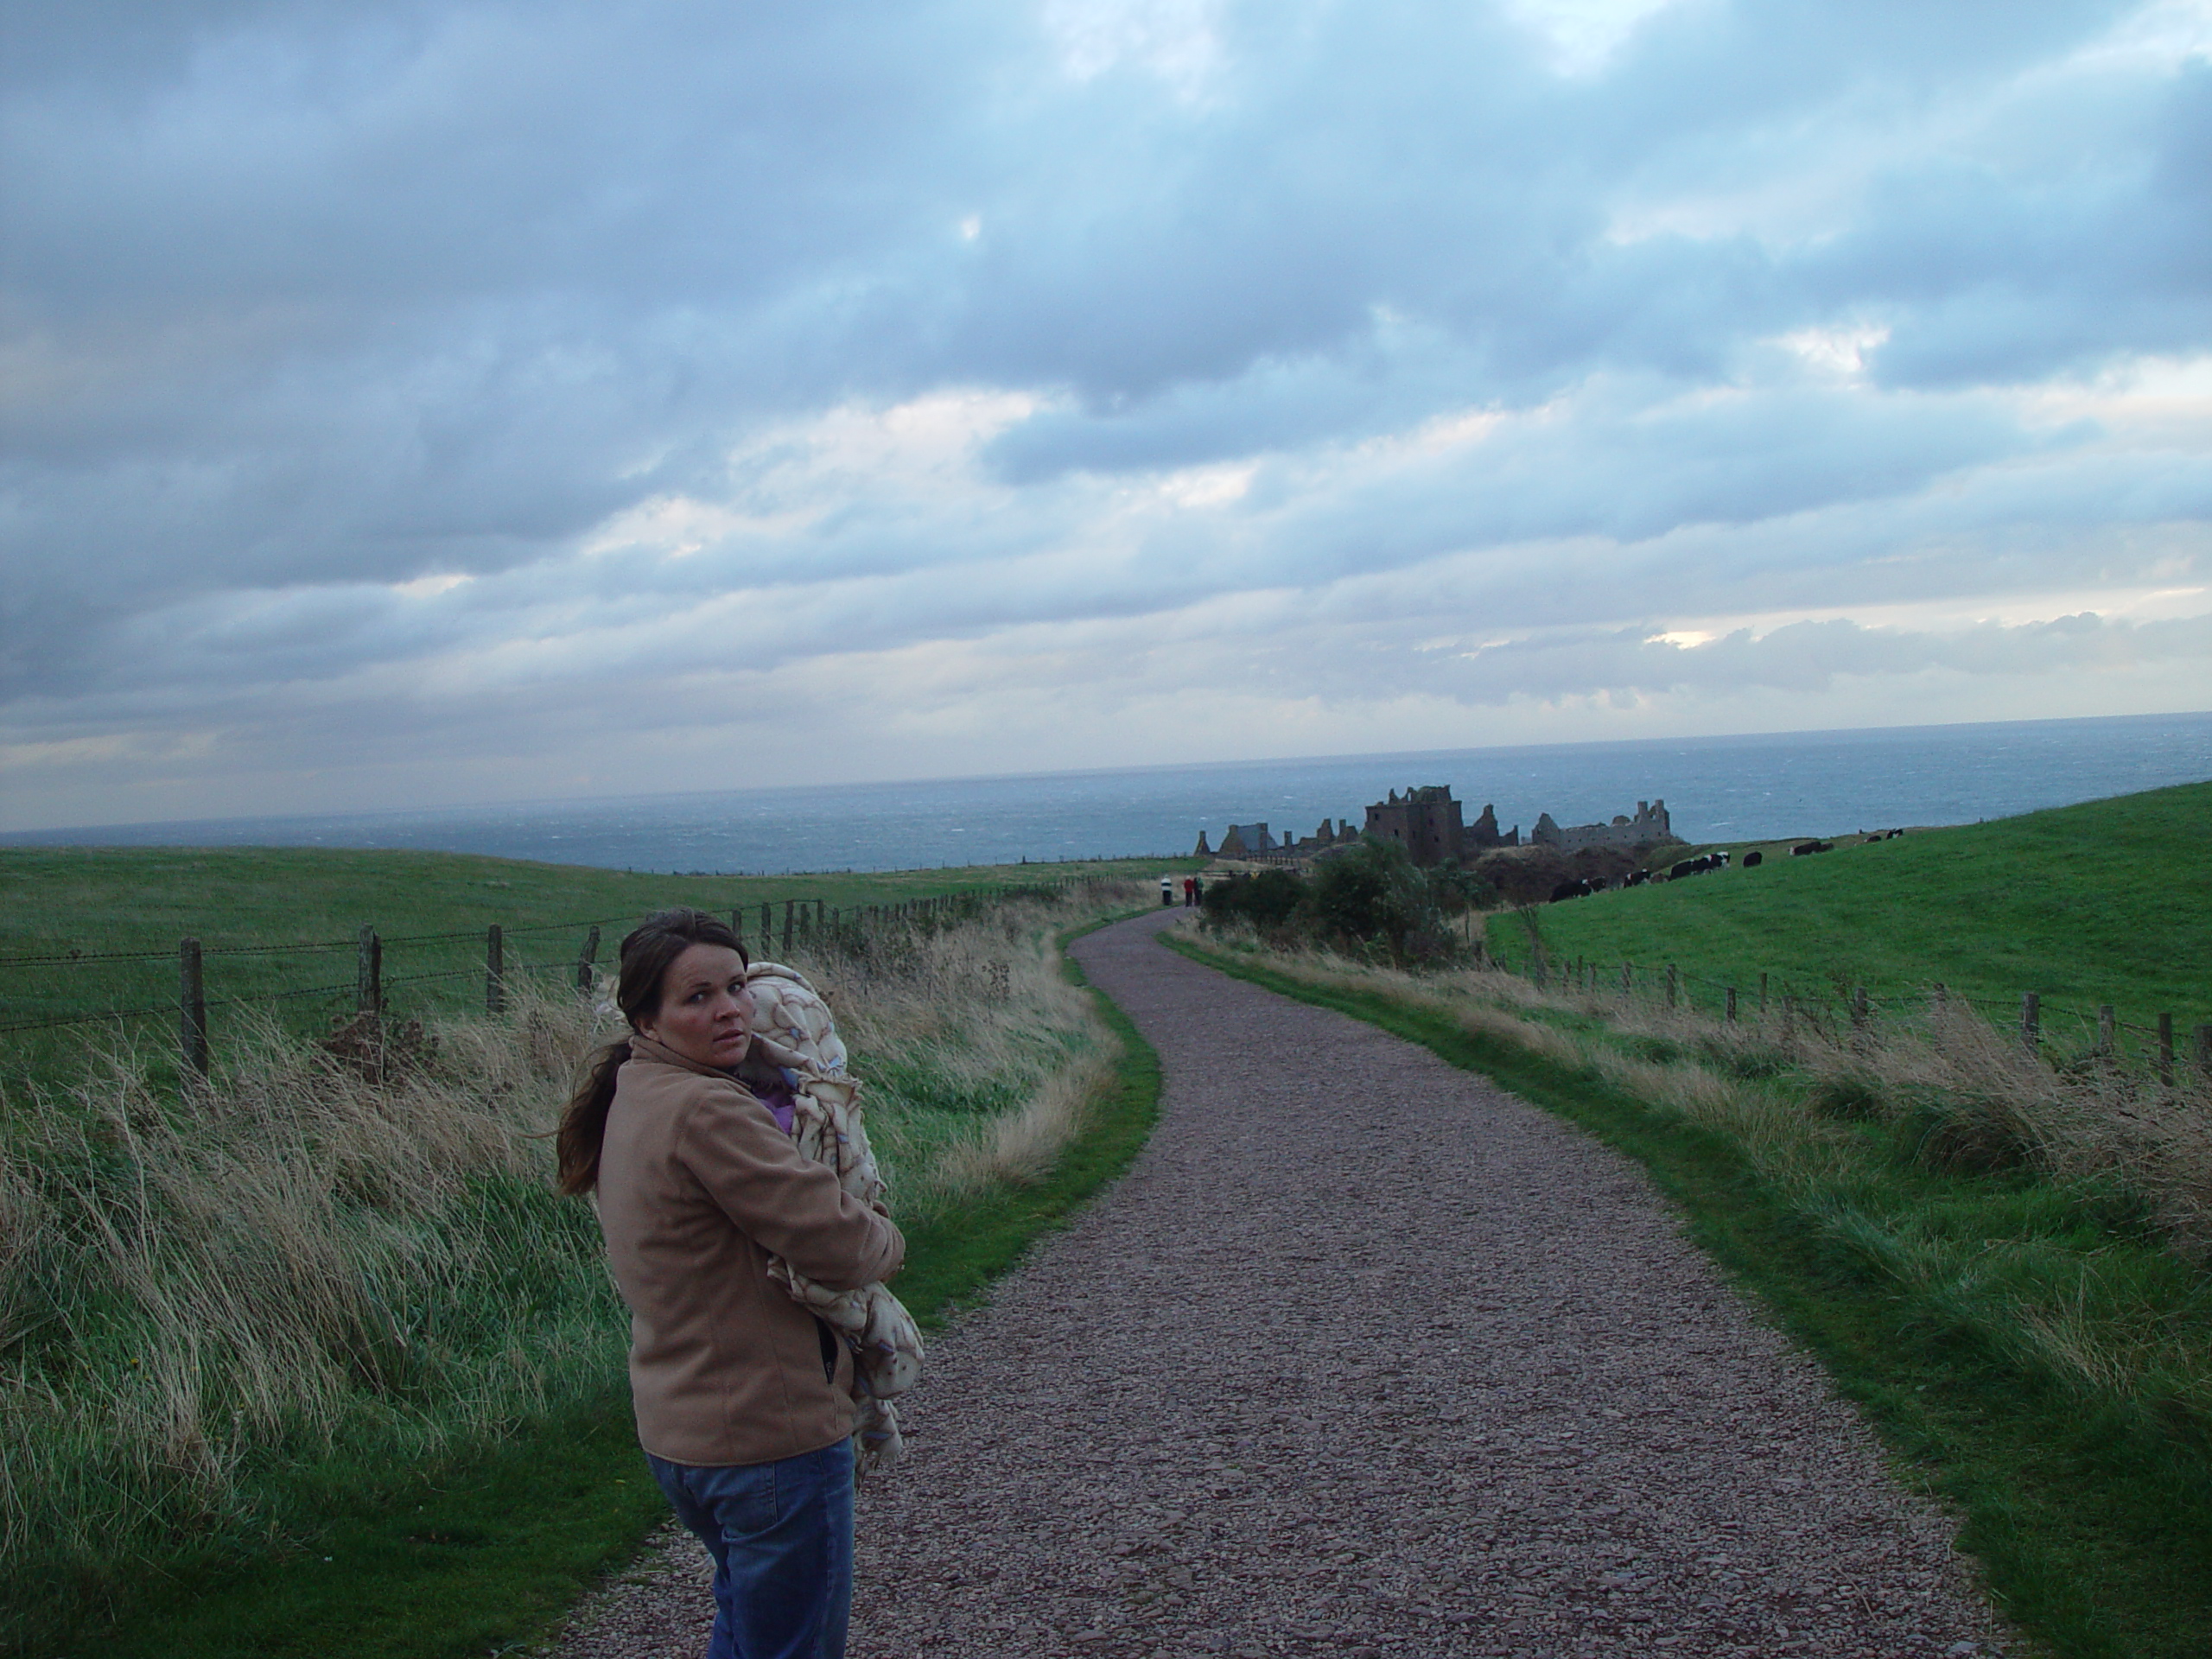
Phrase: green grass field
pixel 2107 902
pixel 283 921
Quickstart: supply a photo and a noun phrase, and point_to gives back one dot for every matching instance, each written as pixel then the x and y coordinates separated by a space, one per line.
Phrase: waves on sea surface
pixel 1716 788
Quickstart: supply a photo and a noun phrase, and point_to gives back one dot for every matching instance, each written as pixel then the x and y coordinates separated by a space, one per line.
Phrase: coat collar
pixel 643 1047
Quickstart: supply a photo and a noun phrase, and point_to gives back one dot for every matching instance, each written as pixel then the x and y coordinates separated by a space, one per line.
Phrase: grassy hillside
pixel 2110 901
pixel 297 911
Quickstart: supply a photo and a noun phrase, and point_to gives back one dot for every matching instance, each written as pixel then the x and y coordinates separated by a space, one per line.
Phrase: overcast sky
pixel 420 403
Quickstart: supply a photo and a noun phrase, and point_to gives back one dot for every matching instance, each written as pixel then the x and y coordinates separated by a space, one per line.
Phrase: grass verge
pixel 2087 1503
pixel 951 1259
pixel 478 1549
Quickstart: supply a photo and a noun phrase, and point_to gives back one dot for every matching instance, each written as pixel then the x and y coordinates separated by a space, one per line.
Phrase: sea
pixel 1716 789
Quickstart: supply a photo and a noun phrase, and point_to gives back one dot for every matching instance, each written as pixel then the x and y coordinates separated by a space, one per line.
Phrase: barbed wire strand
pixel 100 1015
pixel 71 958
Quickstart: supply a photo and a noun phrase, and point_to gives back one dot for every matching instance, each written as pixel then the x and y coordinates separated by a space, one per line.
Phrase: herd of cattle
pixel 1688 867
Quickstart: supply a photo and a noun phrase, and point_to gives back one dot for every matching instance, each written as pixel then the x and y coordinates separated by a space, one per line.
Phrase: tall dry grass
pixel 979 1055
pixel 1976 1098
pixel 288 1264
pixel 299 1265
pixel 2059 1212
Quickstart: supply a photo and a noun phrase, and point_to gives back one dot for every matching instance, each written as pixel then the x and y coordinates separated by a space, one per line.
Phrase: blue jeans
pixel 781 1534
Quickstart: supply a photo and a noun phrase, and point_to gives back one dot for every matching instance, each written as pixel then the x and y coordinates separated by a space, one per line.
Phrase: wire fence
pixel 1839 1007
pixel 43 994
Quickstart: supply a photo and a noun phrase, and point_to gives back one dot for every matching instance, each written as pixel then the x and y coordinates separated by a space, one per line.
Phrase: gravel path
pixel 1284 1392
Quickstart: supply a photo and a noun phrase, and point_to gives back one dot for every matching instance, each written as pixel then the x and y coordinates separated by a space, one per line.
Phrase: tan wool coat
pixel 697 1189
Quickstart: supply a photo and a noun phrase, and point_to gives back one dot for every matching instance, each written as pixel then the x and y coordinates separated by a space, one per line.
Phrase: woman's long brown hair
pixel 652 946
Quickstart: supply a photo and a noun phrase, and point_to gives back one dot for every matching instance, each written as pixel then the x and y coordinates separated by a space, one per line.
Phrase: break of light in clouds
pixel 438 402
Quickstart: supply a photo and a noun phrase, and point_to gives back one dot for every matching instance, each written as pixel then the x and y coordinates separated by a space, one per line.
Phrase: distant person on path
pixel 1190 890
pixel 744 1399
pixel 1167 890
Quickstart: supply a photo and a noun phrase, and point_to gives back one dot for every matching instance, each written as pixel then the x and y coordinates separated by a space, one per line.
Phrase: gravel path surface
pixel 1286 1391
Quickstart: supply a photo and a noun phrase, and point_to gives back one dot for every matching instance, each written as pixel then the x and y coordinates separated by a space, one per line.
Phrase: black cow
pixel 1805 846
pixel 1753 860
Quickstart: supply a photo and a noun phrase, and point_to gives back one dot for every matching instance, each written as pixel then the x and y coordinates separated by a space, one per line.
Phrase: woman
pixel 743 1397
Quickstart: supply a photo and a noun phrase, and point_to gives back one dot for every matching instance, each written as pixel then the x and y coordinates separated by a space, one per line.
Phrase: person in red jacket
pixel 744 1399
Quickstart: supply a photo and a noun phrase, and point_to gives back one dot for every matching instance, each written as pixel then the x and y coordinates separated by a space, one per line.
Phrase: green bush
pixel 1372 900
pixel 1268 900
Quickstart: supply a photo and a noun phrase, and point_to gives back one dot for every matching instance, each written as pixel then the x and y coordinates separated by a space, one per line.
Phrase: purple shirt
pixel 779 1097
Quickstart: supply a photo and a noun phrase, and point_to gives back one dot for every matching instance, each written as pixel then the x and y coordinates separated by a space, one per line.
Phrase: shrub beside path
pixel 1364 1356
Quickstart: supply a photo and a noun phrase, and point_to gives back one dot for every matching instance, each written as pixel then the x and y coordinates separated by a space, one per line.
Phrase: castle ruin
pixel 1483 834
pixel 1246 841
pixel 1425 822
pixel 1648 827
pixel 1429 825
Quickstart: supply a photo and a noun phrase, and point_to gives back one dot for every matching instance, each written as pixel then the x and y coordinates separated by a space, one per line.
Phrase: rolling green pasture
pixel 2110 901
pixel 294 914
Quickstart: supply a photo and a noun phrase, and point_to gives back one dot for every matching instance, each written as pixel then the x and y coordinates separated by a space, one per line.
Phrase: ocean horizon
pixel 1717 788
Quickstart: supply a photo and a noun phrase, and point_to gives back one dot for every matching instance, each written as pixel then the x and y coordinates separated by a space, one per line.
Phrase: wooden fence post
pixel 790 908
pixel 2167 1049
pixel 368 975
pixel 2108 1033
pixel 819 913
pixel 737 925
pixel 587 955
pixel 1672 979
pixel 1762 996
pixel 1731 1005
pixel 2032 1022
pixel 2203 1044
pixel 1628 977
pixel 192 1008
pixel 495 969
pixel 767 927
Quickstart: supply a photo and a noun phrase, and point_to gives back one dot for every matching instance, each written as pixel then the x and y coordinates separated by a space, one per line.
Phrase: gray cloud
pixel 1811 657
pixel 300 304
